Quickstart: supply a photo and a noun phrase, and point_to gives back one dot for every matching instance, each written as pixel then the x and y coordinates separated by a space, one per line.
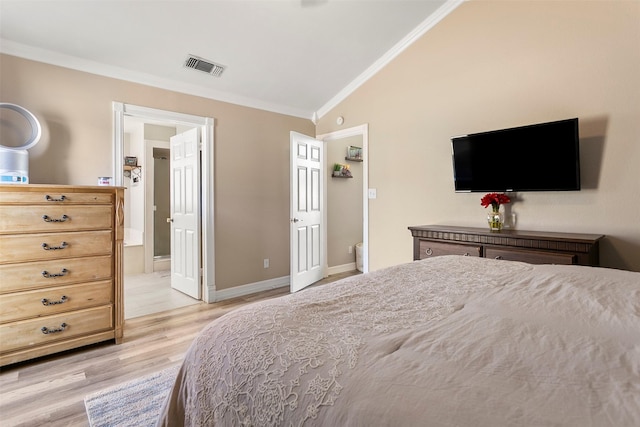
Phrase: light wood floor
pixel 152 293
pixel 50 391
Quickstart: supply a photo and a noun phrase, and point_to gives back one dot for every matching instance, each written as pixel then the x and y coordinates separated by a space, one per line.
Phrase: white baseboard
pixel 162 264
pixel 251 288
pixel 341 268
pixel 265 285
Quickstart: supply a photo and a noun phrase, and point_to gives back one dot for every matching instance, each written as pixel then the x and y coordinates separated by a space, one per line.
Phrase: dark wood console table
pixel 536 247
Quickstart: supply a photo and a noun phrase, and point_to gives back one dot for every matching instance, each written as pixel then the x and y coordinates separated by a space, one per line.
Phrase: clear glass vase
pixel 495 220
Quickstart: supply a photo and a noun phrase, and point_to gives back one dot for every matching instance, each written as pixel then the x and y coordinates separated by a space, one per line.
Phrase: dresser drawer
pixel 37 219
pixel 532 257
pixel 45 302
pixel 43 330
pixel 58 197
pixel 428 249
pixel 30 275
pixel 48 246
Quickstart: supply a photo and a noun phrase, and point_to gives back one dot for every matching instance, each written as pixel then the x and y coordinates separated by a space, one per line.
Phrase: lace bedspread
pixel 448 340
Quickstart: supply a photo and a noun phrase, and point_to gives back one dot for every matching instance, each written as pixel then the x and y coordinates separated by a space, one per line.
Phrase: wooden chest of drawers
pixel 60 268
pixel 535 247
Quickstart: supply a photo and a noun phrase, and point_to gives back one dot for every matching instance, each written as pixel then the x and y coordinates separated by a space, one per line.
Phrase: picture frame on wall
pixel 131 161
pixel 354 153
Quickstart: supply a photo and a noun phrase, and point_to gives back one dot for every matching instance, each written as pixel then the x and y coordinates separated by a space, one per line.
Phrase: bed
pixel 445 341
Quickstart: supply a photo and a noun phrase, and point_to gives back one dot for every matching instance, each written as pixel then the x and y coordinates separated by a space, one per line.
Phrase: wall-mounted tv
pixel 537 157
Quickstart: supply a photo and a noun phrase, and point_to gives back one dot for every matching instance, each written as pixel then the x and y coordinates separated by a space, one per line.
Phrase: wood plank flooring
pixel 50 391
pixel 152 293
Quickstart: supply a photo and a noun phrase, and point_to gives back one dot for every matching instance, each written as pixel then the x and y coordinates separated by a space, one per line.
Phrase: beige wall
pixel 497 64
pixel 251 156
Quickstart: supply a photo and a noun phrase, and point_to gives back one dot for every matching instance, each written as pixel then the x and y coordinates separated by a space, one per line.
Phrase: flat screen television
pixel 538 157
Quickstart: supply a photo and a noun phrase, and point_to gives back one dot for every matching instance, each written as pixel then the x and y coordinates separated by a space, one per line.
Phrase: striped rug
pixel 136 403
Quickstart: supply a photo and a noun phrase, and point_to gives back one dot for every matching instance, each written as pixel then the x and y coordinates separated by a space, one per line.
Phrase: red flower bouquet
pixel 495 200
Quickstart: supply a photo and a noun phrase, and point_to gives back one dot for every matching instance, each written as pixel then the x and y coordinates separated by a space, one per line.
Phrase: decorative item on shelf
pixel 130 161
pixel 131 169
pixel 341 171
pixel 495 218
pixel 354 153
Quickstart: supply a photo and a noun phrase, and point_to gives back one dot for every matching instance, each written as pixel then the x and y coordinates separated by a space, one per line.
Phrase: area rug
pixel 135 403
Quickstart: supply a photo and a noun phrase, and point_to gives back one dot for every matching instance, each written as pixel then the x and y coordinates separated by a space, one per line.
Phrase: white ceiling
pixel 297 57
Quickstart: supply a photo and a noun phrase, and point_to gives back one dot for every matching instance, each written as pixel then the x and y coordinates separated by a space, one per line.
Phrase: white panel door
pixel 307 229
pixel 185 209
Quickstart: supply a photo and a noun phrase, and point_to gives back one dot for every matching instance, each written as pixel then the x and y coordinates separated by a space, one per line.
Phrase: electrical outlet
pixel 350 249
pixel 266 263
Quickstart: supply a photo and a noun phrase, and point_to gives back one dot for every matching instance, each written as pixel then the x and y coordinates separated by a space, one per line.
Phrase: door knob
pixel 169 219
pixel 294 220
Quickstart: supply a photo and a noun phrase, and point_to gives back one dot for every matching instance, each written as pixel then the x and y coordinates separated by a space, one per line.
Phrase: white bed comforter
pixel 448 341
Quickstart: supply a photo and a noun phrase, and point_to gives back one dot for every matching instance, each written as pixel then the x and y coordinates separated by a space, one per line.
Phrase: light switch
pixel 372 193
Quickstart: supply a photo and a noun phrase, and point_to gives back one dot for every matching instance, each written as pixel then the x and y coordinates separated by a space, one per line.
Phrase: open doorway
pixel 148 281
pixel 347 201
pixel 145 262
pixel 329 219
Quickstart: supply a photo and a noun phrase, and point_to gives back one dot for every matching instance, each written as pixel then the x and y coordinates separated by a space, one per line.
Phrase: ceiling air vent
pixel 204 66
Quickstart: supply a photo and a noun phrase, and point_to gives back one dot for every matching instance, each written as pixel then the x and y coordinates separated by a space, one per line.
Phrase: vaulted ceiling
pixel 296 57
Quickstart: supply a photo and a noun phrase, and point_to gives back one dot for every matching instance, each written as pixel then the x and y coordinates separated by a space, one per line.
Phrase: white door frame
pixel 120 110
pixel 362 130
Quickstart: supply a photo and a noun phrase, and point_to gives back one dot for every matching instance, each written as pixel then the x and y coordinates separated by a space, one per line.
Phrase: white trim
pixel 345 133
pixel 120 110
pixel 337 269
pixel 251 288
pixel 162 264
pixel 61 60
pixel 118 144
pixel 391 54
pixel 208 210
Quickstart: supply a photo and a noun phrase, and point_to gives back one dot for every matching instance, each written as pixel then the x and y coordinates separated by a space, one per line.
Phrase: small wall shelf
pixel 353 159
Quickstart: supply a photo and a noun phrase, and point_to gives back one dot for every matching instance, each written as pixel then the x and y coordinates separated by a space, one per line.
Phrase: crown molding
pixel 407 41
pixel 9 47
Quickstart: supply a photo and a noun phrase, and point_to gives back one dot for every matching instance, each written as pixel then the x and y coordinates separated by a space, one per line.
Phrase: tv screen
pixel 538 157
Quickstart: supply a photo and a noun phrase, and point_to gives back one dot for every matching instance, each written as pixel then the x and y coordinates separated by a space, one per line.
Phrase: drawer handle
pixel 48 275
pixel 47 218
pixel 63 245
pixel 498 257
pixel 62 300
pixel 47 331
pixel 429 252
pixel 52 199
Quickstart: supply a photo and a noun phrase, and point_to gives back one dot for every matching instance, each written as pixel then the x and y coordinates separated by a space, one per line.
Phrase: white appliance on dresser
pixel 61 278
